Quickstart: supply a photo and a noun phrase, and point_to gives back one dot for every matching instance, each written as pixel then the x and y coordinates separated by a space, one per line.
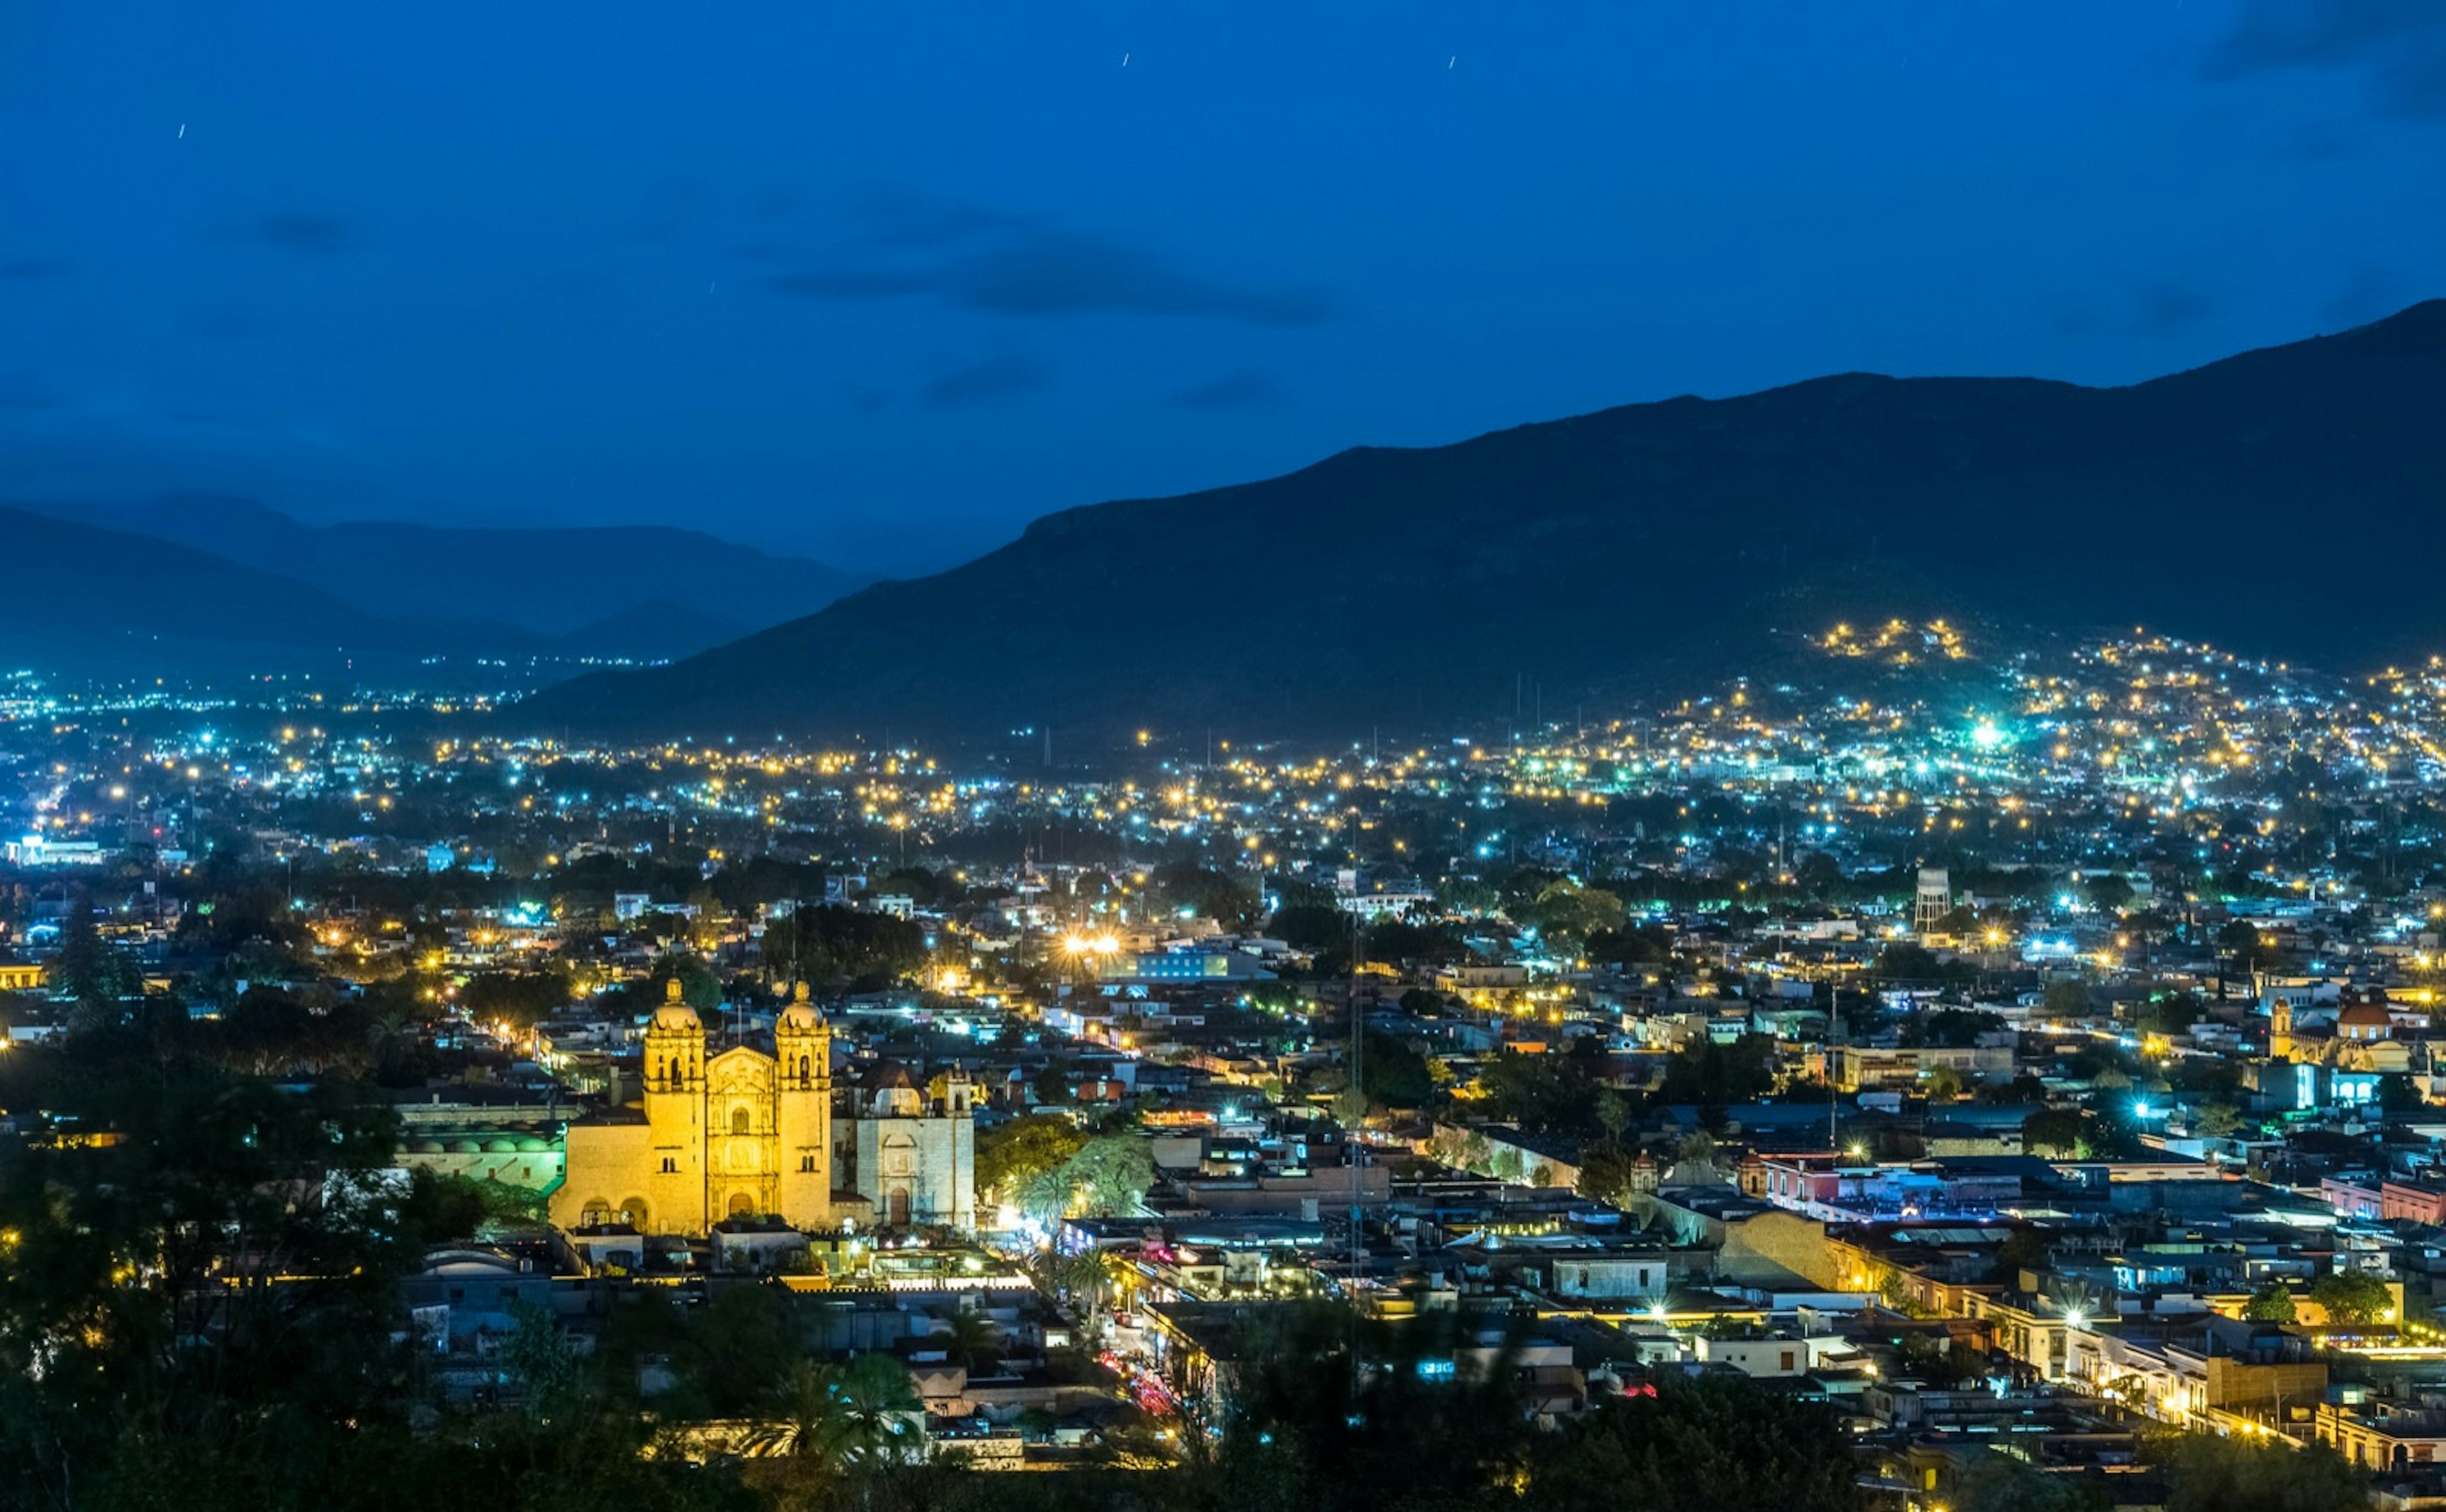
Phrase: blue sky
pixel 881 281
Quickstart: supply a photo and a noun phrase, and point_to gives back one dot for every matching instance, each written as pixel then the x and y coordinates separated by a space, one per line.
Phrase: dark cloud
pixel 2167 307
pixel 34 267
pixel 2162 308
pixel 307 235
pixel 25 390
pixel 225 323
pixel 975 258
pixel 855 283
pixel 2324 140
pixel 1244 391
pixel 2398 47
pixel 995 378
pixel 2067 314
pixel 890 217
pixel 2364 297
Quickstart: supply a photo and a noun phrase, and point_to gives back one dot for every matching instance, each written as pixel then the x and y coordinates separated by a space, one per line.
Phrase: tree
pixel 2054 1130
pixel 2352 1297
pixel 2065 998
pixel 2272 1303
pixel 1605 1174
pixel 2208 1473
pixel 973 1339
pixel 1314 927
pixel 1013 1153
pixel 88 970
pixel 835 944
pixel 1569 913
pixel 1111 1174
pixel 538 1358
pixel 1715 1076
pixel 1394 1075
pixel 1951 1028
pixel 2001 1482
pixel 1614 1115
pixel 1178 885
pixel 831 1417
pixel 519 998
pixel 2107 892
pixel 1699 1444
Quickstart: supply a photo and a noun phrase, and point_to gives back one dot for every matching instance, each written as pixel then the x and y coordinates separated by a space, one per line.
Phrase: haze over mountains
pixel 231 583
pixel 2283 502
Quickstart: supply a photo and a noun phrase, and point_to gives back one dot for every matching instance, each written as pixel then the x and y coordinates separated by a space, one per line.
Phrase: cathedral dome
pixel 800 1017
pixel 888 1075
pixel 675 1014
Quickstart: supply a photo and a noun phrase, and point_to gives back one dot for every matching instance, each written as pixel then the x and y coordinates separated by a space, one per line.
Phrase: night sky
pixel 879 281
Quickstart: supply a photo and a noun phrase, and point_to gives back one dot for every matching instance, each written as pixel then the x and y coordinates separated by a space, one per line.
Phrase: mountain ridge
pixel 1595 553
pixel 552 582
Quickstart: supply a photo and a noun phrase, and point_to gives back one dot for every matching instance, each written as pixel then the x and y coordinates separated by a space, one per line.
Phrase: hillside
pixel 86 601
pixel 661 588
pixel 2281 500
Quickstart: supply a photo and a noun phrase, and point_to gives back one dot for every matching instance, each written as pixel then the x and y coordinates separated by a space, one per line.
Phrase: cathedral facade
pixel 740 1134
pixel 912 1150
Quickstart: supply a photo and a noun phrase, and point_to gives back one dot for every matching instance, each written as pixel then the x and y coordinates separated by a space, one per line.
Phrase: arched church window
pixel 805 1073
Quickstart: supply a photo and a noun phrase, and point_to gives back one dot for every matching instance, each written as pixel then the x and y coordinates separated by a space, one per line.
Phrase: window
pixel 738 1120
pixel 807 1164
pixel 670 1166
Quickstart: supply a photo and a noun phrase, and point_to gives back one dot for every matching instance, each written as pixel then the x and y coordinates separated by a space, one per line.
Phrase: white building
pixel 913 1152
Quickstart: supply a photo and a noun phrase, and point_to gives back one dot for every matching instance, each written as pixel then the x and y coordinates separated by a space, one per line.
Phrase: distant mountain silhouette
pixel 87 601
pixel 2285 501
pixel 555 583
pixel 650 631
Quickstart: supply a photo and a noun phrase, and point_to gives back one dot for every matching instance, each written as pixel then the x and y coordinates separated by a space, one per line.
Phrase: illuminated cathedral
pixel 741 1134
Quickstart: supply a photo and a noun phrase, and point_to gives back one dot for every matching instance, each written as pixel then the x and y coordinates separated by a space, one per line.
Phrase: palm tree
pixel 973 1339
pixel 878 1401
pixel 1047 1195
pixel 390 1037
pixel 835 1416
pixel 809 1423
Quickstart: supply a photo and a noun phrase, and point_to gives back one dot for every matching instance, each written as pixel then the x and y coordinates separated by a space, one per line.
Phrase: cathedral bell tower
pixel 675 1115
pixel 803 1052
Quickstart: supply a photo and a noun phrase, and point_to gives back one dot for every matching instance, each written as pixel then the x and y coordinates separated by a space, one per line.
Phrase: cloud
pixel 307 235
pixel 2067 314
pixel 224 323
pixel 1243 390
pixel 25 390
pixel 34 267
pixel 991 262
pixel 2365 296
pixel 2397 46
pixel 995 378
pixel 2167 307
pixel 894 218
